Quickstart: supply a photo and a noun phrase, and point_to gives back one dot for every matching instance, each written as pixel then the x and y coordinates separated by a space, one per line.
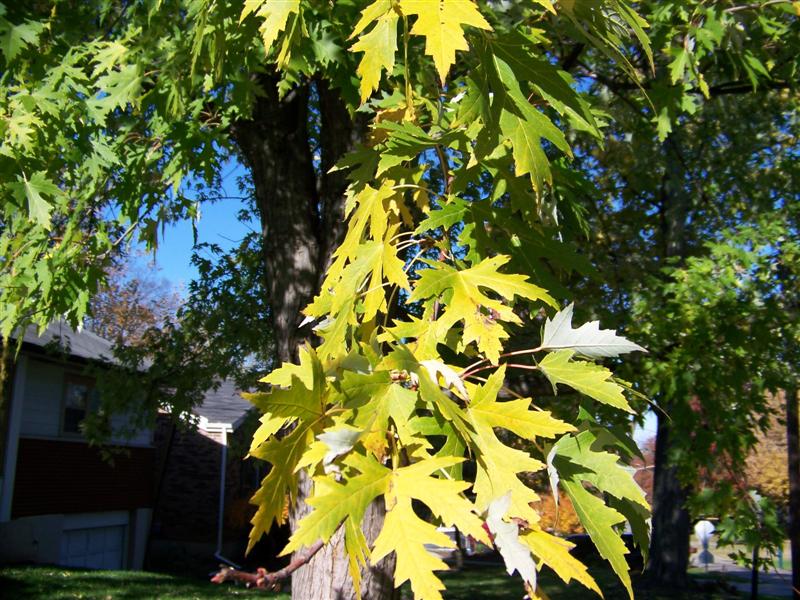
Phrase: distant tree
pixel 132 300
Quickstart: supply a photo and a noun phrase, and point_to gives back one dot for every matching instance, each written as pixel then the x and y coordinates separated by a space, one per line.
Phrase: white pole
pixel 221 521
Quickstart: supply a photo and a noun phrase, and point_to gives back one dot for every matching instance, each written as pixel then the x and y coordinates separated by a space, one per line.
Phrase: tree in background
pixel 738 342
pixel 705 143
pixel 131 301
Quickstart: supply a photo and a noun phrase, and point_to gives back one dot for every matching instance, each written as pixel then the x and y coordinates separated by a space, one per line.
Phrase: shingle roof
pixel 224 405
pixel 82 344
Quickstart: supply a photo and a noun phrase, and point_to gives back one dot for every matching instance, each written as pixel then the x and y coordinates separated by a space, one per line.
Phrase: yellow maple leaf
pixel 405 534
pixel 275 14
pixel 379 47
pixel 513 415
pixel 465 300
pixel 554 552
pixel 498 465
pixel 441 23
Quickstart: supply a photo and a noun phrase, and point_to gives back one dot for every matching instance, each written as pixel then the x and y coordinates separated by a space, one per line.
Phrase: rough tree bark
pixel 669 546
pixel 301 208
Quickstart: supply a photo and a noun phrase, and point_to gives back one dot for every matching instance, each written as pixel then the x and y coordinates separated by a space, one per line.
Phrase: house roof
pixel 83 344
pixel 224 405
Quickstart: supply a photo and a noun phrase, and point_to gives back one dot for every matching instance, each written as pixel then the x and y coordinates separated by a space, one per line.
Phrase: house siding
pixel 62 477
pixel 41 407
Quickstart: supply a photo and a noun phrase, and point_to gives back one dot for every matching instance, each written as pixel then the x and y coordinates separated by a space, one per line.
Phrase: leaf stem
pixel 468 370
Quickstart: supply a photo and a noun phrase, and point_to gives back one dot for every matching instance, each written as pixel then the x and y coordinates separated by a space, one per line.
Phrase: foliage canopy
pixel 113 114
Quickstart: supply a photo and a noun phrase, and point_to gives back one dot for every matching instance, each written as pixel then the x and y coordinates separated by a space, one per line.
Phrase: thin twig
pixel 263 578
pixel 754 6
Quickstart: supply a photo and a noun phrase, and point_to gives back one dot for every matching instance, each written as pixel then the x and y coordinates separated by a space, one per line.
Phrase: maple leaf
pixel 588 339
pixel 525 127
pixel 441 22
pixel 586 377
pixel 18 37
pixel 376 400
pixel 281 482
pixel 461 292
pixel 405 534
pixel 379 47
pixel 341 500
pixel 599 521
pixel 605 472
pixel 442 496
pixel 513 415
pixel 275 14
pixel 554 552
pixel 497 464
pixel 516 555
pixel 32 190
pixel 357 549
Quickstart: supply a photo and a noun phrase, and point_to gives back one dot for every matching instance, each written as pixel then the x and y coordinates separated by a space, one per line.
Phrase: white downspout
pixel 224 429
pixel 222 473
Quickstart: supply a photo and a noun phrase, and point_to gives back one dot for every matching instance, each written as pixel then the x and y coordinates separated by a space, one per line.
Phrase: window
pixel 80 396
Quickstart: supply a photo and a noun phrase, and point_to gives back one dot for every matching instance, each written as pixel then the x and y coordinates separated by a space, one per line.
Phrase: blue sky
pixel 218 224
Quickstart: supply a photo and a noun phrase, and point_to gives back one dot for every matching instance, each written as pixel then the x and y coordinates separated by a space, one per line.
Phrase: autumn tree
pixel 410 172
pixel 131 302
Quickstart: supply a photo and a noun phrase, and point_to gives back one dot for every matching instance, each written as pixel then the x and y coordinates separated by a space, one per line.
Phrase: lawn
pixel 473 583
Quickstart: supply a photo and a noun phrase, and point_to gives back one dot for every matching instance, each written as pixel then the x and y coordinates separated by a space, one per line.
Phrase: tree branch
pixel 741 87
pixel 263 578
pixel 754 6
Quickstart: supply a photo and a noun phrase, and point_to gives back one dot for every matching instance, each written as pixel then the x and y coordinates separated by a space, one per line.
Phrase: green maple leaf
pixel 377 400
pixel 605 472
pixel 586 377
pixel 18 37
pixel 281 482
pixel 599 521
pixel 32 191
pixel 341 500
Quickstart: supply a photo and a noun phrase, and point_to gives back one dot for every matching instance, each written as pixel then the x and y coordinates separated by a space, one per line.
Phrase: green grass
pixel 53 583
pixel 473 583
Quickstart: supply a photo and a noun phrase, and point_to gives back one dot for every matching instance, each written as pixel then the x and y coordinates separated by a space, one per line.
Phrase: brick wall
pixel 188 498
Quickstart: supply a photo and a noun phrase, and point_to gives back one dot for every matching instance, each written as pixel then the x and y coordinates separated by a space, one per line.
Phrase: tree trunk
pixel 326 576
pixel 669 554
pixel 302 219
pixel 793 450
pixel 669 546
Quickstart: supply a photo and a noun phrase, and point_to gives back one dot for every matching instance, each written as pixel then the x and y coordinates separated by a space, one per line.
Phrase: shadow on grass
pixel 53 583
pixel 492 583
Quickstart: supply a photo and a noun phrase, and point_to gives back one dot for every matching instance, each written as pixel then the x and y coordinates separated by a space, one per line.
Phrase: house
pixel 61 501
pixel 201 515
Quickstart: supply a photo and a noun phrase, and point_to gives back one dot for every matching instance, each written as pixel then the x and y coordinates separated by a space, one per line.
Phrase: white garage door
pixel 93 548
